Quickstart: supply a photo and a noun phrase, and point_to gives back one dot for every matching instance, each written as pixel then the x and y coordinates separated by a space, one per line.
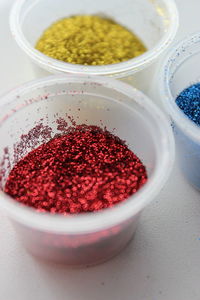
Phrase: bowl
pixel 154 21
pixel 90 238
pixel 178 72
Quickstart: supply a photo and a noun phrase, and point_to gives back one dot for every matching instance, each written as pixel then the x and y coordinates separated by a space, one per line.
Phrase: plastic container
pixel 154 21
pixel 90 238
pixel 180 70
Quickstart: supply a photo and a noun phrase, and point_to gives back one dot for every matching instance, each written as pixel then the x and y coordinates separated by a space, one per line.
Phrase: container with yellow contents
pixel 109 38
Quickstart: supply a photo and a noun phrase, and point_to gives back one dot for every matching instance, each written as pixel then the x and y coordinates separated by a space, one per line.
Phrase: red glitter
pixel 85 170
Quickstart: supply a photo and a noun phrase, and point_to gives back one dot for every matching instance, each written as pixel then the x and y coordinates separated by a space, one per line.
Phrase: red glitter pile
pixel 85 170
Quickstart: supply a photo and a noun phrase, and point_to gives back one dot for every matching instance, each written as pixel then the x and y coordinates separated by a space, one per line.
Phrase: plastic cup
pixel 154 21
pixel 88 238
pixel 180 70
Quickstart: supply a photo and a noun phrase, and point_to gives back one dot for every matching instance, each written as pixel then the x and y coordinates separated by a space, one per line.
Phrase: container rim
pixel 181 120
pixel 77 224
pixel 116 70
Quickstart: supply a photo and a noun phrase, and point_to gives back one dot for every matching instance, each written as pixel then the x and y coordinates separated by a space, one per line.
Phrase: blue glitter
pixel 189 102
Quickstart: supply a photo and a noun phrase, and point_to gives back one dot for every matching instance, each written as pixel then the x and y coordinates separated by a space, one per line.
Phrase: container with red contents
pixel 34 113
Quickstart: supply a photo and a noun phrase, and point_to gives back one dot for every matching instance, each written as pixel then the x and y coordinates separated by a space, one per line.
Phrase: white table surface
pixel 162 262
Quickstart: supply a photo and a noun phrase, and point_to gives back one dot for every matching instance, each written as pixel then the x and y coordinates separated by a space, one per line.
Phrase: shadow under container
pixel 181 70
pixel 154 21
pixel 26 115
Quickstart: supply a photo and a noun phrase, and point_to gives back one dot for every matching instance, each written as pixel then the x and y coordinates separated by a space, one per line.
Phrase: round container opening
pixel 180 71
pixel 93 101
pixel 154 21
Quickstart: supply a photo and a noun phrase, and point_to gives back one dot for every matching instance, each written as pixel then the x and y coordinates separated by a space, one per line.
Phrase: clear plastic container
pixel 89 238
pixel 154 21
pixel 181 70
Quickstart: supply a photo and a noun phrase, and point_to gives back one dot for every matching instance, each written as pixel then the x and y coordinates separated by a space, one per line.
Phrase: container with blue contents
pixel 180 92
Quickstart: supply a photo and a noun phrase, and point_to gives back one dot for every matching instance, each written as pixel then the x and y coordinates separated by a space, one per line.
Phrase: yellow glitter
pixel 89 40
